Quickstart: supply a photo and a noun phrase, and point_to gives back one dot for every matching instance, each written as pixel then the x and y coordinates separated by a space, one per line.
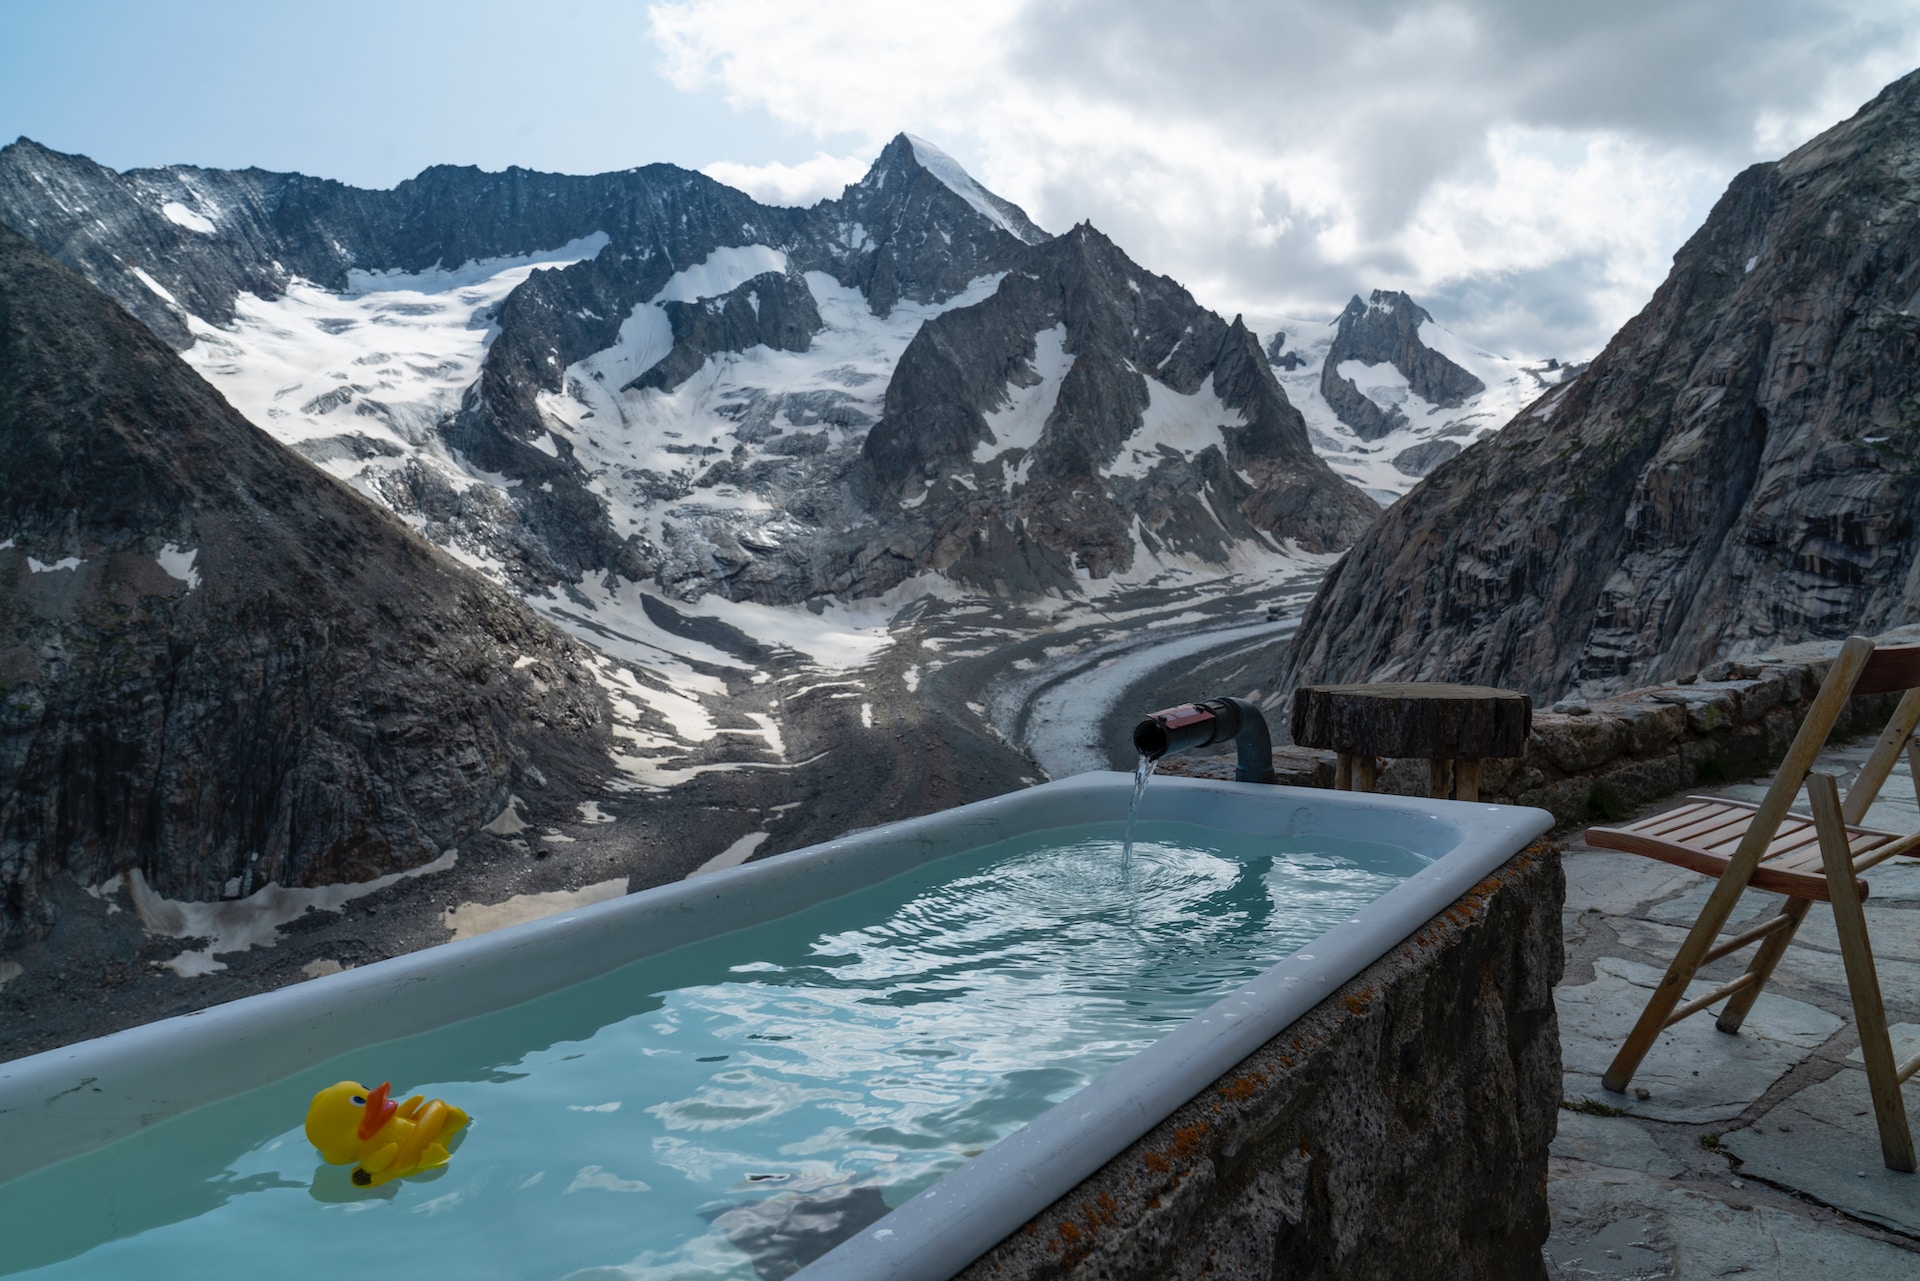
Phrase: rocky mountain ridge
pixel 1386 330
pixel 1388 394
pixel 1735 471
pixel 589 403
pixel 219 669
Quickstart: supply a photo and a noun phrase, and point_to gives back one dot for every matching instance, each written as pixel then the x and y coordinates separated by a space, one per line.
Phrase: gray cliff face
pixel 774 309
pixel 1386 330
pixel 1074 497
pixel 1737 469
pixel 218 664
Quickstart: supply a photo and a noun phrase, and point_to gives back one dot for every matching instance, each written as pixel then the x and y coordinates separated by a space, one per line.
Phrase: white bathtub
pixel 70 1100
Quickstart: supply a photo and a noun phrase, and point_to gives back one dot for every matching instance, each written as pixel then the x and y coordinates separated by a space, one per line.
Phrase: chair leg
pixel 1863 982
pixel 1673 985
pixel 1772 948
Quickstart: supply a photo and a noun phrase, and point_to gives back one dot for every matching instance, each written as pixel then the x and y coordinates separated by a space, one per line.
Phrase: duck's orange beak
pixel 379 1108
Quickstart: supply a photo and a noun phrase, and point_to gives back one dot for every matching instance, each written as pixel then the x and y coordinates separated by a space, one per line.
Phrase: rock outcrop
pixel 219 667
pixel 1737 470
pixel 1386 330
pixel 1127 350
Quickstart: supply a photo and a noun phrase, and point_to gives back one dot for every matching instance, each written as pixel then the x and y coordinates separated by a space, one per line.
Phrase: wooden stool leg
pixel 1343 771
pixel 1466 780
pixel 1366 772
pixel 1869 1014
pixel 1440 778
pixel 1772 948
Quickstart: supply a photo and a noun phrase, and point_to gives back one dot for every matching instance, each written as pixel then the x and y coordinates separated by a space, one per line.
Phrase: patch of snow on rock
pixel 178 563
pixel 180 215
pixel 1186 424
pixel 159 290
pixel 254 921
pixel 1019 423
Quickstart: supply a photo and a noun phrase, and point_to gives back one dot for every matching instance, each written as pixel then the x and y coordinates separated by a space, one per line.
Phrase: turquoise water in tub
pixel 733 1108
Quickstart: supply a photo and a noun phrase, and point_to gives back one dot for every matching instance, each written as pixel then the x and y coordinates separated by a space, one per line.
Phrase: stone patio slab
pixel 1613 1143
pixel 1804 964
pixel 1609 1231
pixel 1693 1073
pixel 1822 1142
pixel 1619 884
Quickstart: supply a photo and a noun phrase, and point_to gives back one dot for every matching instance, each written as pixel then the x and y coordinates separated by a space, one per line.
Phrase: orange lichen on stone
pixel 1186 1138
pixel 1069 1233
pixel 1186 1144
pixel 1244 1086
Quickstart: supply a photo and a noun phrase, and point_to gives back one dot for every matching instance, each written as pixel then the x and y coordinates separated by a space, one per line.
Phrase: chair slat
pixel 1765 876
pixel 1711 829
pixel 1663 824
pixel 1891 668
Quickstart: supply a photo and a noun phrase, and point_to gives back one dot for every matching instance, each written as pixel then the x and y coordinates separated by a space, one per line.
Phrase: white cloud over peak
pixel 1529 169
pixel 821 178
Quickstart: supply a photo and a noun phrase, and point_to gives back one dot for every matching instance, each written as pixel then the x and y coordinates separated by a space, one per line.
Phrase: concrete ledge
pixel 1399 1129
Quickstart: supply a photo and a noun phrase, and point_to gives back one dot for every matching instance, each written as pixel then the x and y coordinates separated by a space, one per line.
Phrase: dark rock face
pixel 1074 502
pixel 773 309
pixel 1420 459
pixel 218 663
pixel 903 233
pixel 1737 470
pixel 1387 330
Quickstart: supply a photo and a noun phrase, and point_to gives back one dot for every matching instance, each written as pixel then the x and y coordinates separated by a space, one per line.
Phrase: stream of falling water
pixel 1141 773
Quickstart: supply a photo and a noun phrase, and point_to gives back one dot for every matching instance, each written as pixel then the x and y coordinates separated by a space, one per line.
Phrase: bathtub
pixel 71 1100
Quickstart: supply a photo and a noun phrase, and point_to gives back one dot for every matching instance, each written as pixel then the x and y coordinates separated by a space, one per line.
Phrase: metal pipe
pixel 1202 724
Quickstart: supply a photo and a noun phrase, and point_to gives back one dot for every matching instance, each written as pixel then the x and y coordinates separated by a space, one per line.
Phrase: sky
pixel 1526 169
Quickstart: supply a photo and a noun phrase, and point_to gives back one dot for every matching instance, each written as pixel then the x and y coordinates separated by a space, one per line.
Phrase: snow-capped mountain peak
pixel 1002 213
pixel 1389 393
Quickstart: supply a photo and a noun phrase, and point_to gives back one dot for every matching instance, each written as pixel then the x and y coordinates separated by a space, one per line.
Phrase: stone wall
pixel 1399 1129
pixel 1599 761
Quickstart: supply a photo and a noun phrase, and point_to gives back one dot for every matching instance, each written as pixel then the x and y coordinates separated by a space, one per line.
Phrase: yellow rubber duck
pixel 381 1139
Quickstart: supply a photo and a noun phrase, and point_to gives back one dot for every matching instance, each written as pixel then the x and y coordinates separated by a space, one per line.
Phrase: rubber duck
pixel 381 1139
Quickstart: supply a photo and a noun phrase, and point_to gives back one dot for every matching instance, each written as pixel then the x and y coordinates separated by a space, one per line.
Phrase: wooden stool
pixel 1452 727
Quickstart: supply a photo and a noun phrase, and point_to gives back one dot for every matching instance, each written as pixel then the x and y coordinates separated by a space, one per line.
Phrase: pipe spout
pixel 1216 720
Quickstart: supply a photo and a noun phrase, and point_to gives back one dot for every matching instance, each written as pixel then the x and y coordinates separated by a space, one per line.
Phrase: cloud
pixel 822 178
pixel 1540 163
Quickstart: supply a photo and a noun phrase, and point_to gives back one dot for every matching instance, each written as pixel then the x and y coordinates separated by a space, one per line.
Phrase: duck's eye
pixel 359 1101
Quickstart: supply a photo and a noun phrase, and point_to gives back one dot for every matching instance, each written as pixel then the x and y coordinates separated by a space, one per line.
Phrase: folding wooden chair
pixel 1808 857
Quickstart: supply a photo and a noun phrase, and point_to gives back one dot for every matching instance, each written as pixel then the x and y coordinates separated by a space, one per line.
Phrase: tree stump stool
pixel 1452 727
